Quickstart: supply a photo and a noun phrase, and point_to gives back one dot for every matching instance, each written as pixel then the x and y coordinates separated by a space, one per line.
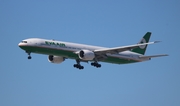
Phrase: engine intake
pixel 86 55
pixel 55 59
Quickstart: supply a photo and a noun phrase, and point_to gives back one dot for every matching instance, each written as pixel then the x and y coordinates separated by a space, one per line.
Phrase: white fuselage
pixel 72 47
pixel 58 51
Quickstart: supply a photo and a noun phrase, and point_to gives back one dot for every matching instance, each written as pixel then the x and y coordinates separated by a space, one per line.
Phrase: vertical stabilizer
pixel 142 49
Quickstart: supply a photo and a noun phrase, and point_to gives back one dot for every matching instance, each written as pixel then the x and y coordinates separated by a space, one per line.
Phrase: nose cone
pixel 21 44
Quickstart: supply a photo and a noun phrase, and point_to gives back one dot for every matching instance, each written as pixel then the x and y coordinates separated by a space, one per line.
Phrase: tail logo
pixel 142 41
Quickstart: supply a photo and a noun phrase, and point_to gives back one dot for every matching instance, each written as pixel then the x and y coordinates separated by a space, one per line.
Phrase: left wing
pixel 120 49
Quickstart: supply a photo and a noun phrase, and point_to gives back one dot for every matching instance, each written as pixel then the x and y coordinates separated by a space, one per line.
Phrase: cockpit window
pixel 23 41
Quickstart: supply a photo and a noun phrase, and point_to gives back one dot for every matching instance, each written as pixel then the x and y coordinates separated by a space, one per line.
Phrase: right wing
pixel 148 57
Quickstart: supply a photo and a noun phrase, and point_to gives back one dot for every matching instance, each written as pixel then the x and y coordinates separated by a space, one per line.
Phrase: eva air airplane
pixel 58 51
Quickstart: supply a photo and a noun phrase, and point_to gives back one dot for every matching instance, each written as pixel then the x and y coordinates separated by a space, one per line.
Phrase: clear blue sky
pixel 110 23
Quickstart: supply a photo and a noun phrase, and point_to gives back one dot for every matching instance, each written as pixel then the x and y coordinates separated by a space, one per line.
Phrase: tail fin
pixel 142 49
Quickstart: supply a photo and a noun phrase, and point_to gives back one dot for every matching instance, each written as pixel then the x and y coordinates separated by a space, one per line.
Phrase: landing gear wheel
pixel 29 54
pixel 98 65
pixel 92 64
pixel 78 66
pixel 95 64
pixel 29 57
pixel 81 67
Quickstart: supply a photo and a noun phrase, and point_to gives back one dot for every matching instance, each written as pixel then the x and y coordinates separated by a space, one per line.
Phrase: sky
pixel 112 23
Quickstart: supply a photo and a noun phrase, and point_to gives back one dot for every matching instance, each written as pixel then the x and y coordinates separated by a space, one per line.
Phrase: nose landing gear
pixel 29 54
pixel 29 57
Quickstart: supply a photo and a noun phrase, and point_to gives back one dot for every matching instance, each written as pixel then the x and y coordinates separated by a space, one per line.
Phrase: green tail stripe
pixel 142 49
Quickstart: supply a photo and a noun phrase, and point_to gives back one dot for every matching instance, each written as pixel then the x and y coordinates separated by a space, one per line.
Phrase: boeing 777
pixel 58 51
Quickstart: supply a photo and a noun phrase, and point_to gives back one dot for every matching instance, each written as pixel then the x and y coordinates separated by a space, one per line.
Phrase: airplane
pixel 59 51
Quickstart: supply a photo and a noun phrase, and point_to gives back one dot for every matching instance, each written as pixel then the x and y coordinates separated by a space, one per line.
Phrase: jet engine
pixel 55 59
pixel 86 55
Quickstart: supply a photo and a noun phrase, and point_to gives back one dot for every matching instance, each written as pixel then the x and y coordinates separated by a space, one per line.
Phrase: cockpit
pixel 23 41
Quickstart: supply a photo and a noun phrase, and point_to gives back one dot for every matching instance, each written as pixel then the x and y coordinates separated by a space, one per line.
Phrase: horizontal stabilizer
pixel 147 57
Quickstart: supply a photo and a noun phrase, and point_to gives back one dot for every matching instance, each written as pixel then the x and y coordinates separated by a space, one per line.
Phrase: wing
pixel 148 57
pixel 120 49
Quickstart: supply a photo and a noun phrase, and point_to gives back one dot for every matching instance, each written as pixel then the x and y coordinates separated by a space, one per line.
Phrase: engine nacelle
pixel 55 59
pixel 86 55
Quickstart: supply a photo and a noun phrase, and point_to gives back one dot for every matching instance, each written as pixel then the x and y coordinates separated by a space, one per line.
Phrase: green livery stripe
pixel 142 49
pixel 49 51
pixel 70 54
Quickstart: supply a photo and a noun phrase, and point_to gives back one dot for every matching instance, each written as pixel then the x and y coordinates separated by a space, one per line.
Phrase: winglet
pixel 157 41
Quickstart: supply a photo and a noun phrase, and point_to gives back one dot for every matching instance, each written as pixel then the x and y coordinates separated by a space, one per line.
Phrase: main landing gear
pixel 29 54
pixel 95 64
pixel 78 65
